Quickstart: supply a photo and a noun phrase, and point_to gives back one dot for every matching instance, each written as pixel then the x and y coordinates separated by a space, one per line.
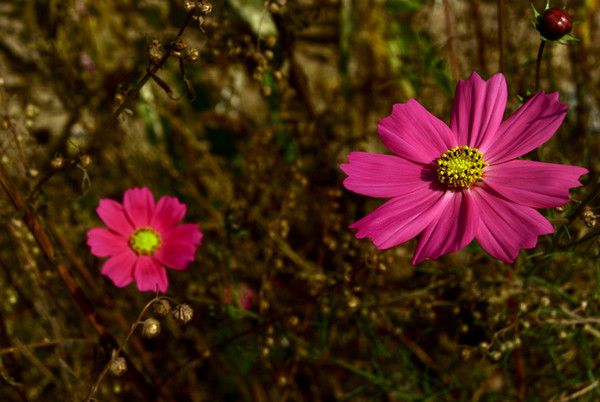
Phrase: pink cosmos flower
pixel 454 184
pixel 143 237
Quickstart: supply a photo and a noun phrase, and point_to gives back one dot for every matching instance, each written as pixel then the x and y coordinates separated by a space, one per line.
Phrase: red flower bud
pixel 555 23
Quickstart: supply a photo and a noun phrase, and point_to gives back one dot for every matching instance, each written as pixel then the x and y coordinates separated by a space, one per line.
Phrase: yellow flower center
pixel 144 241
pixel 460 167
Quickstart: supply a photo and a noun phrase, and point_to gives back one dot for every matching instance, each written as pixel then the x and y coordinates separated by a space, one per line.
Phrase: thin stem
pixel 33 345
pixel 538 65
pixel 12 128
pixel 586 201
pixel 152 70
pixel 479 36
pixel 501 35
pixel 117 352
pixel 518 357
pixel 453 58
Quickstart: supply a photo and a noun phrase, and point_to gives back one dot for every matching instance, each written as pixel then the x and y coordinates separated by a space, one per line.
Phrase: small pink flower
pixel 143 237
pixel 245 295
pixel 459 183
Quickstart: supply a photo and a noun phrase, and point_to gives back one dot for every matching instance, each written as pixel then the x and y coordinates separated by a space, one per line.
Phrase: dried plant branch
pixel 42 344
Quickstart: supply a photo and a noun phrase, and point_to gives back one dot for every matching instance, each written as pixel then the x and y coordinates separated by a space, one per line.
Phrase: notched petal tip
pixel 149 275
pixel 119 268
pixel 139 205
pixel 413 133
pixel 113 215
pixel 167 213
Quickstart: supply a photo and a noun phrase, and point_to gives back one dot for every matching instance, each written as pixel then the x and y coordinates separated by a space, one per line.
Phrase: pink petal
pixel 179 246
pixel 188 233
pixel 149 273
pixel 399 219
pixel 506 227
pixel 529 127
pixel 119 268
pixel 413 133
pixel 384 175
pixel 454 228
pixel 113 214
pixel 104 243
pixel 478 109
pixel 167 213
pixel 534 184
pixel 139 206
pixel 176 255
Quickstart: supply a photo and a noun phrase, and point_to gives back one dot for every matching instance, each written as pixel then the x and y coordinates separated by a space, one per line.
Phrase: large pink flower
pixel 454 184
pixel 142 236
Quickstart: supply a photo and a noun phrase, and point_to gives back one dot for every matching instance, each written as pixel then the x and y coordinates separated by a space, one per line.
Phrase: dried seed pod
pixel 193 55
pixel 182 313
pixel 118 366
pixel 150 328
pixel 57 162
pixel 189 6
pixel 161 307
pixel 205 7
pixel 180 44
pixel 85 161
pixel 119 98
pixel 155 52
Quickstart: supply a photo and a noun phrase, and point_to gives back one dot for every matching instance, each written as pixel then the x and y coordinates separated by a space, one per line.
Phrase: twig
pixel 133 93
pixel 42 344
pixel 43 241
pixel 577 394
pixel 119 350
pixel 12 128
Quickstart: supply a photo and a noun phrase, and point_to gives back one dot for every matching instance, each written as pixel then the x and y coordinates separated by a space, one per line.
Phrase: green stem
pixel 538 65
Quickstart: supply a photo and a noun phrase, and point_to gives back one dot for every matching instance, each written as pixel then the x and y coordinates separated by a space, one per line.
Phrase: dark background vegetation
pixel 283 92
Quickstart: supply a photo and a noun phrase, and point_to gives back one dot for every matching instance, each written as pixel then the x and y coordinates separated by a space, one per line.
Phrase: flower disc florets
pixel 145 241
pixel 460 167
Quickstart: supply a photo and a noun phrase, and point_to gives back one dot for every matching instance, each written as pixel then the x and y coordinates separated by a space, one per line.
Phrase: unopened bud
pixel 555 23
pixel 182 313
pixel 150 328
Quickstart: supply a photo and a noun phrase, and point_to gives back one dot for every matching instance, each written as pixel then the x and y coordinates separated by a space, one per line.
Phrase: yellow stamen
pixel 460 167
pixel 145 241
